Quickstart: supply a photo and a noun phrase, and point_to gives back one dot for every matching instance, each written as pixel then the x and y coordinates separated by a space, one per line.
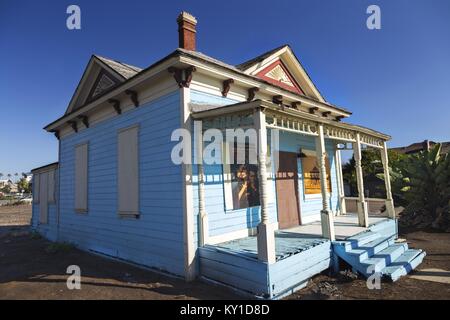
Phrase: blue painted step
pixel 370 252
pixel 367 250
pixel 385 257
pixel 407 262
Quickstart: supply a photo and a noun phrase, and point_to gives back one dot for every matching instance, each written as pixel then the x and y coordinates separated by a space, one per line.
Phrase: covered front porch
pixel 276 260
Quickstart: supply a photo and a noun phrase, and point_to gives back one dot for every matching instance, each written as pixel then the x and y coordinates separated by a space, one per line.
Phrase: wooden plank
pixel 233 280
pixel 233 259
pixel 256 276
pixel 298 278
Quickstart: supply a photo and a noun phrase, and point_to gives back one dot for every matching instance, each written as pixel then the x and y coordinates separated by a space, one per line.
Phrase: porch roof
pixel 290 119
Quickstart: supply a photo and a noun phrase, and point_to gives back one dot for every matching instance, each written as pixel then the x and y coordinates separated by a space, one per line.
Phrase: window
pixel 241 179
pixel 311 174
pixel 36 188
pixel 128 172
pixel 43 202
pixel 51 186
pixel 81 178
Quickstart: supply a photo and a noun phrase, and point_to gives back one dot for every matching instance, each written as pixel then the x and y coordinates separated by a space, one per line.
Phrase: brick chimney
pixel 186 31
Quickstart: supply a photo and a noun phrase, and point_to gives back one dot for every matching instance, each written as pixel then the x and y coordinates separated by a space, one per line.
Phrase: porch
pixel 278 262
pixel 301 252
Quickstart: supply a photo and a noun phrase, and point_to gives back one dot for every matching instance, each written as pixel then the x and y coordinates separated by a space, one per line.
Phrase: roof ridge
pixel 246 64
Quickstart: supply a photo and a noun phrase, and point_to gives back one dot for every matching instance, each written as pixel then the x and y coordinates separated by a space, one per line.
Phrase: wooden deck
pixel 294 240
pixel 301 253
pixel 345 226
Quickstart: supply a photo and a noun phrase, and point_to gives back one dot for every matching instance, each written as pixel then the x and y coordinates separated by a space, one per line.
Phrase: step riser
pixel 349 245
pixel 404 271
pixel 368 254
pixel 372 251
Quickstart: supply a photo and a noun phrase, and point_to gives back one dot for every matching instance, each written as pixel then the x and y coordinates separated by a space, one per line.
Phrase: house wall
pixel 155 238
pixel 48 230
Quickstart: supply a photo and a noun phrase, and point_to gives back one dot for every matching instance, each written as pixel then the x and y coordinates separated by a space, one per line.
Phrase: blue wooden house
pixel 263 228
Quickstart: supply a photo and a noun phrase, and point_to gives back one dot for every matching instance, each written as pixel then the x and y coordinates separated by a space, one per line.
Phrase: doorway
pixel 287 190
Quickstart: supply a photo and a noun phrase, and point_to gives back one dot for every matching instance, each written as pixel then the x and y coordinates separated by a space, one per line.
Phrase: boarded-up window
pixel 81 177
pixel 36 188
pixel 128 171
pixel 311 174
pixel 43 202
pixel 51 186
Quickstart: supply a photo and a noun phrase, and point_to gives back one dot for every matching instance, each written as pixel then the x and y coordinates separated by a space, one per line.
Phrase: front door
pixel 287 191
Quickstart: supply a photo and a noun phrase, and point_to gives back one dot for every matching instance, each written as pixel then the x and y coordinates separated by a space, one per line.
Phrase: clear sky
pixel 395 80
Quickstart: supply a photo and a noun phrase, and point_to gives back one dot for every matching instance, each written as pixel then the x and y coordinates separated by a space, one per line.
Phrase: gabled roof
pixel 125 70
pixel 288 64
pixel 119 70
pixel 100 76
pixel 250 63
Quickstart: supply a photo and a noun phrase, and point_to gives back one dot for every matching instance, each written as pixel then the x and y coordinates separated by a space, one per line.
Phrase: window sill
pixel 129 215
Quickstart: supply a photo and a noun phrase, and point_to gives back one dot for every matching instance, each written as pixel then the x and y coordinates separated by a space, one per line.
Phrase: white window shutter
pixel 36 188
pixel 81 178
pixel 51 186
pixel 43 201
pixel 128 171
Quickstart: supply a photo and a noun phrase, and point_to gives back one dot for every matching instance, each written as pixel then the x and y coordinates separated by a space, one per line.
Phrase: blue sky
pixel 395 80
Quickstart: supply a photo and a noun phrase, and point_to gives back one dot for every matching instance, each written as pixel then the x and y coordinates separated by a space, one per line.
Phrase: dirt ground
pixel 34 268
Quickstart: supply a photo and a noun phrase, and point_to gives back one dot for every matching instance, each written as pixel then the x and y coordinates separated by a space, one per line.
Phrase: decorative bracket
pixel 278 99
pixel 178 75
pixel 73 124
pixel 226 85
pixel 326 113
pixel 116 105
pixel 296 105
pixel 188 72
pixel 339 118
pixel 56 133
pixel 85 120
pixel 133 96
pixel 313 110
pixel 251 93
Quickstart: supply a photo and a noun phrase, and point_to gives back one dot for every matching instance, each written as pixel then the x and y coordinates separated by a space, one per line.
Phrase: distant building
pixel 421 146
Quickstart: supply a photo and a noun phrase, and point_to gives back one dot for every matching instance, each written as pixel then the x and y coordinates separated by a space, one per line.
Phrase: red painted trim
pixel 262 75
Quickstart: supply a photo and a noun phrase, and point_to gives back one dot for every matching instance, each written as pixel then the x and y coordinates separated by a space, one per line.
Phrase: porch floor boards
pixel 345 226
pixel 295 240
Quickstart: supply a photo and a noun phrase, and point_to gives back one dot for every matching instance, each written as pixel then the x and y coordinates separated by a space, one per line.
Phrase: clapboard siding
pixel 48 230
pixel 233 269
pixel 154 239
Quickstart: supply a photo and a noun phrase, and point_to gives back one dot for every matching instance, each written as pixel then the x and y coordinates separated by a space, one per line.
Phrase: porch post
pixel 326 217
pixel 202 215
pixel 266 231
pixel 387 180
pixel 340 183
pixel 363 215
